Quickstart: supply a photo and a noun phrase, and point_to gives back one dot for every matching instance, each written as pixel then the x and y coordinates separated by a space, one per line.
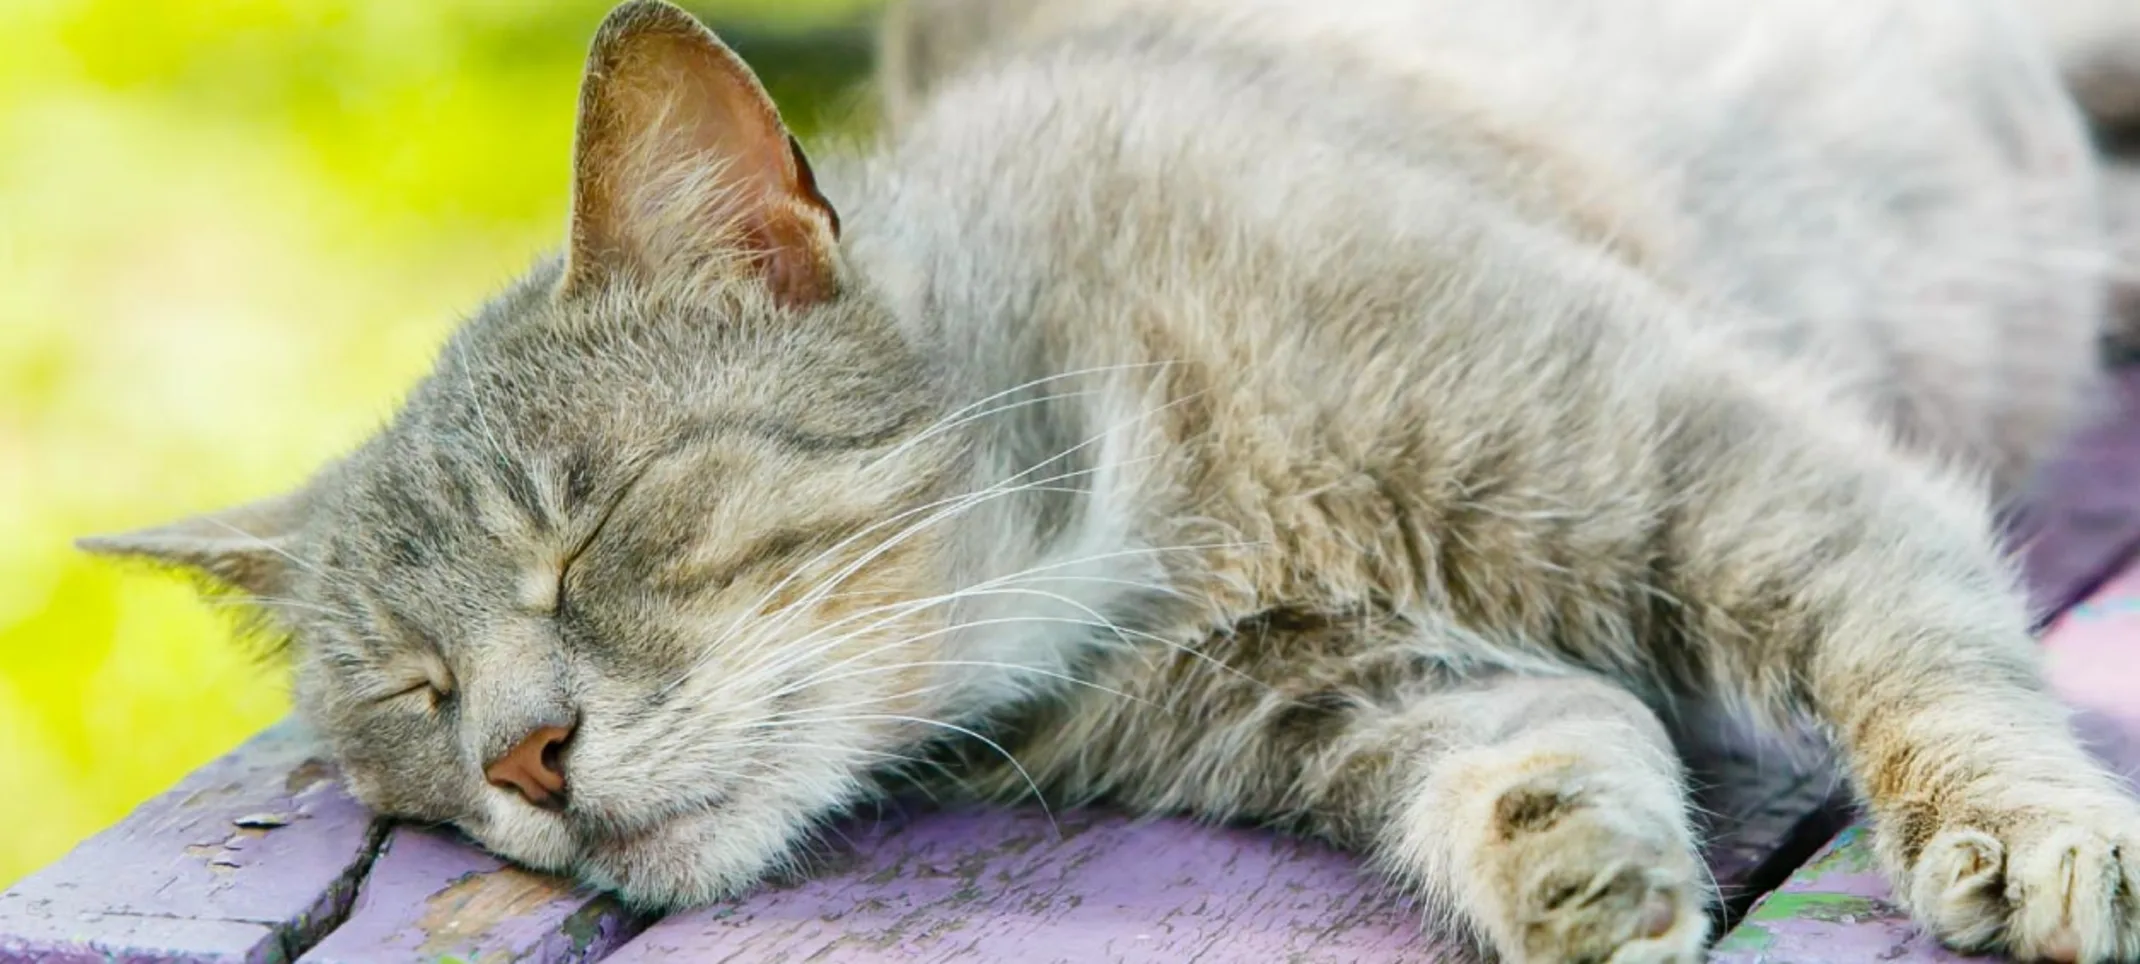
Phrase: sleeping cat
pixel 1382 419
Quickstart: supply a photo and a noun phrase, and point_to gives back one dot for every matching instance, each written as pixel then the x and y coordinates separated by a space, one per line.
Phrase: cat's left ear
pixel 251 548
pixel 681 164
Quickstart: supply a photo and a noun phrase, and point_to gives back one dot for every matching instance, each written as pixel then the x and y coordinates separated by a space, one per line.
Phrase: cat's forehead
pixel 540 361
pixel 540 406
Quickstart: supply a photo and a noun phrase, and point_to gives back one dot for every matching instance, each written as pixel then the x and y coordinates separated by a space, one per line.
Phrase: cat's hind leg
pixel 1824 573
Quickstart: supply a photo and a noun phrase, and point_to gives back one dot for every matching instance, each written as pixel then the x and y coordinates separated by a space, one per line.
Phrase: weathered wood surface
pixel 248 859
pixel 261 857
pixel 431 896
pixel 1838 909
pixel 1007 886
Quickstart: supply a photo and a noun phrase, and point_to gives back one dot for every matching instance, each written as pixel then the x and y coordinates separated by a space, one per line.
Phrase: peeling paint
pixel 1746 939
pixel 467 910
pixel 1831 908
pixel 307 775
pixel 1851 853
pixel 586 924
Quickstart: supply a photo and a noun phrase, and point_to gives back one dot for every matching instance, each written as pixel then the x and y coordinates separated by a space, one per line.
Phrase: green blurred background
pixel 231 233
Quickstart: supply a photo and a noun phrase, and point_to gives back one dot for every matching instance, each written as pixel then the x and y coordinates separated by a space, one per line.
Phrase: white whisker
pixel 1038 797
pixel 958 416
pixel 994 491
pixel 269 546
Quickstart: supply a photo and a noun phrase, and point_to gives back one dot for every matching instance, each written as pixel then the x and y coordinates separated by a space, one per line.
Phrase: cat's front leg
pixel 1546 814
pixel 2000 833
pixel 1543 814
pixel 1824 573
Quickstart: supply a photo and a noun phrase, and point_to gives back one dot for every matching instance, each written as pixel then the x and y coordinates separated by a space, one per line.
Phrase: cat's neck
pixel 1048 558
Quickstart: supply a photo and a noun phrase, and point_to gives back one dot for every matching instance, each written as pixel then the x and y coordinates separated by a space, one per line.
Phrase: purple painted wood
pixel 432 896
pixel 1839 908
pixel 251 857
pixel 1006 880
pixel 1004 886
pixel 998 886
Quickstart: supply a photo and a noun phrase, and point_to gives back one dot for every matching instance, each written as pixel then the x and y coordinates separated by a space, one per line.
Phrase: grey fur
pixel 1381 418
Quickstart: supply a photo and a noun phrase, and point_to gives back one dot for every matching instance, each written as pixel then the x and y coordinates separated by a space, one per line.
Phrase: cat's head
pixel 636 583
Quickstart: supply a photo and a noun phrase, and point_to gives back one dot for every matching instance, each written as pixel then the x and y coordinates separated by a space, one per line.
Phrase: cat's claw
pixel 2054 884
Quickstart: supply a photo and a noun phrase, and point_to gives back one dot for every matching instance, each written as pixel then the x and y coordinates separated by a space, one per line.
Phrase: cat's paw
pixel 2056 881
pixel 1600 887
pixel 1625 912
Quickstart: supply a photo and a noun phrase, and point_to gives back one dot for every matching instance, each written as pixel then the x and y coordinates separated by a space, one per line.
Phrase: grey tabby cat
pixel 1376 418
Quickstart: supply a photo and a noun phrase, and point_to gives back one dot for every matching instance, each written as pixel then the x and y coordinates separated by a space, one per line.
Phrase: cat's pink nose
pixel 535 767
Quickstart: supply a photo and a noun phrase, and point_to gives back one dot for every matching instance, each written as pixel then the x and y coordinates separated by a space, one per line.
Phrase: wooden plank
pixel 251 857
pixel 1006 885
pixel 1838 909
pixel 259 857
pixel 275 889
pixel 433 896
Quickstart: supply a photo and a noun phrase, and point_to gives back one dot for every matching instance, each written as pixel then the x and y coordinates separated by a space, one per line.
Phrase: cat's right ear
pixel 251 547
pixel 681 164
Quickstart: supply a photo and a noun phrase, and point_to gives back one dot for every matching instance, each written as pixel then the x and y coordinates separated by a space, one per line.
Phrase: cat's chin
pixel 695 858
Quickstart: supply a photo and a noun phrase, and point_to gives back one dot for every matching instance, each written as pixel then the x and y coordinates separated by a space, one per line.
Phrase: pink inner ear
pixel 792 266
pixel 683 161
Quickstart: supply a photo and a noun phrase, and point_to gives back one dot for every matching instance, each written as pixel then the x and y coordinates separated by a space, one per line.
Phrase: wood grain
pixel 1008 885
pixel 432 896
pixel 249 858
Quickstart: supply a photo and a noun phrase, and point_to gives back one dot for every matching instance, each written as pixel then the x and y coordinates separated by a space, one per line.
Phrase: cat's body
pixel 1898 188
pixel 1376 418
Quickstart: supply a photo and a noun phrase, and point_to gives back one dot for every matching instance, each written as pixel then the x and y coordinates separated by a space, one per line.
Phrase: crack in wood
pixel 337 903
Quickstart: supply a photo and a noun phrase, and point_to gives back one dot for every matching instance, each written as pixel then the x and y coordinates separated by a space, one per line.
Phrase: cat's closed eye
pixel 427 689
pixel 547 594
pixel 430 684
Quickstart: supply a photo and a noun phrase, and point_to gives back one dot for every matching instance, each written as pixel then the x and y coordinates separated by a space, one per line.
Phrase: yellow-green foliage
pixel 231 231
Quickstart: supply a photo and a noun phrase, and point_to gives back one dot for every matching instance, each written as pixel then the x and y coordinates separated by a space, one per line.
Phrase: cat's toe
pixel 2056 885
pixel 2073 891
pixel 1958 889
pixel 1620 901
pixel 1674 930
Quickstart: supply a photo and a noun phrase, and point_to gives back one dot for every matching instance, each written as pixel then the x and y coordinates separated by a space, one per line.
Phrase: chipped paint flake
pixel 465 912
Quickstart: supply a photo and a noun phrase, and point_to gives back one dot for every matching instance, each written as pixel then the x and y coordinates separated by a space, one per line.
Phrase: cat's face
pixel 637 583
pixel 664 529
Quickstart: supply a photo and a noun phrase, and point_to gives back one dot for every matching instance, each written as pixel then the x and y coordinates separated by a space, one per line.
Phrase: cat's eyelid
pixel 544 593
pixel 439 674
pixel 427 685
pixel 430 672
